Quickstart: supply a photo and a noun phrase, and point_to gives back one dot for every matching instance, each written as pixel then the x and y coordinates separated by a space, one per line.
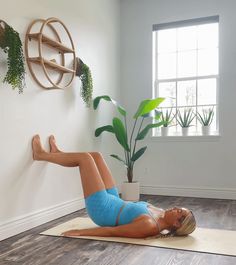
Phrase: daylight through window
pixel 185 70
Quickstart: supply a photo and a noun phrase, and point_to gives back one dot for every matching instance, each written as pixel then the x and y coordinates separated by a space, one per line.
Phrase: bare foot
pixel 37 148
pixel 53 146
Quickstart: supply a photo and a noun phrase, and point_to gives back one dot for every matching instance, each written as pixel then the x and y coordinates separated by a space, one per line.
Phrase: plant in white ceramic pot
pixel 185 119
pixel 206 119
pixel 166 118
pixel 129 140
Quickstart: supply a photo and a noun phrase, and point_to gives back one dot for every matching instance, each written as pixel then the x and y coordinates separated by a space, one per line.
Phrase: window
pixel 185 69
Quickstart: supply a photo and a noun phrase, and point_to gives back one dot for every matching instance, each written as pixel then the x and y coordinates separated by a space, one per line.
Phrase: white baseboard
pixel 201 192
pixel 29 221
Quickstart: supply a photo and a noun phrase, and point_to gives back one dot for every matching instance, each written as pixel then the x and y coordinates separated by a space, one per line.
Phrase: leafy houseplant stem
pixel 11 44
pixel 85 75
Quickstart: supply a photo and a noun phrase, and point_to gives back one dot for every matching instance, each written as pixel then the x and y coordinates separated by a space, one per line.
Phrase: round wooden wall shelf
pixel 55 43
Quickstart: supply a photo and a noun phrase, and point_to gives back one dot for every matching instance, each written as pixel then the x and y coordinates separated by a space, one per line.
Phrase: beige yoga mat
pixel 201 240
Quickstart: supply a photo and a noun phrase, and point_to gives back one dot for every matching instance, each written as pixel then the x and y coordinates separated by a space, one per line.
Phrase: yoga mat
pixel 213 241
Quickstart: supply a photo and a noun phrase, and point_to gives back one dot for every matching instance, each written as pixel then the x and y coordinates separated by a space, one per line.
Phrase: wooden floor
pixel 30 248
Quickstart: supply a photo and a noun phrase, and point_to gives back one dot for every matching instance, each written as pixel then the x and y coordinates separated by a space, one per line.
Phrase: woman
pixel 114 216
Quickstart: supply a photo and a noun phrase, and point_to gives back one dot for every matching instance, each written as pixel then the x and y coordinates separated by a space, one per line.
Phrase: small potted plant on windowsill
pixel 129 141
pixel 206 119
pixel 166 118
pixel 185 120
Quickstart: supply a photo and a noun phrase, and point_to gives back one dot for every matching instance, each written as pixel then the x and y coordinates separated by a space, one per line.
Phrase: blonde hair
pixel 187 227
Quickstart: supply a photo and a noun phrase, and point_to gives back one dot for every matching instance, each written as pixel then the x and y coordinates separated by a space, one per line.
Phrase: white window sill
pixel 214 137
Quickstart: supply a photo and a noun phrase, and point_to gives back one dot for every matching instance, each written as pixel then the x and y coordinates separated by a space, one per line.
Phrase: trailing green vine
pixel 11 44
pixel 85 75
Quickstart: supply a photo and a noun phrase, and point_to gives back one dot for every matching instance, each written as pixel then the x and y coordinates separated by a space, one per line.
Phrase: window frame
pixel 156 81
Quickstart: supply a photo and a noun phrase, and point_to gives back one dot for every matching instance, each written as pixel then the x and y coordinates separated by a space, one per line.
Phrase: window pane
pixel 207 91
pixel 187 64
pixel 188 58
pixel 167 65
pixel 186 93
pixel 166 40
pixel 187 38
pixel 208 62
pixel 208 36
pixel 168 91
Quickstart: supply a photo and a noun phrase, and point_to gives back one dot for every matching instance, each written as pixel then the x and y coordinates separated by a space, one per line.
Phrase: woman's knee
pixel 85 157
pixel 96 155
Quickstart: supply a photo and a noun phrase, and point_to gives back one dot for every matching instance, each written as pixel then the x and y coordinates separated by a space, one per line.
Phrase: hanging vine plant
pixel 85 75
pixel 11 44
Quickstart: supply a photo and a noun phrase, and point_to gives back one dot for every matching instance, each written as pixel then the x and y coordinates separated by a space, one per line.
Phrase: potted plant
pixel 166 119
pixel 84 73
pixel 11 44
pixel 185 120
pixel 206 119
pixel 129 141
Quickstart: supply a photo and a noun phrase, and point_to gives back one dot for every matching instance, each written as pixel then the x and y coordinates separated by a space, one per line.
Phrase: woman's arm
pixel 139 229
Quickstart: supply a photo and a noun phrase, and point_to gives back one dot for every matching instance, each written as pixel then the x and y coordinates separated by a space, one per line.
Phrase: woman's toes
pixel 37 148
pixel 52 143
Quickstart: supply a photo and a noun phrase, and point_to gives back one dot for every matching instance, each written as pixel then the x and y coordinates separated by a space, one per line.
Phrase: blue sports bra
pixel 132 210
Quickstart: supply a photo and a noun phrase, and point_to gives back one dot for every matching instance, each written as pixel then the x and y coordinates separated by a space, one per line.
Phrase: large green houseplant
pixel 128 141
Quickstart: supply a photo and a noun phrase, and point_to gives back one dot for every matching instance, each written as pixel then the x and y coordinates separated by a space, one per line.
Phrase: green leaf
pixel 11 44
pixel 166 117
pixel 120 133
pixel 139 153
pixel 200 118
pixel 118 158
pixel 85 76
pixel 145 131
pixel 153 114
pixel 206 117
pixel 157 115
pixel 147 106
pixel 97 100
pixel 186 118
pixel 107 128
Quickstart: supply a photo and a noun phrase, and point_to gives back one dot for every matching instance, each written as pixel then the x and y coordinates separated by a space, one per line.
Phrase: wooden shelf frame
pixel 50 42
pixel 51 65
pixel 57 44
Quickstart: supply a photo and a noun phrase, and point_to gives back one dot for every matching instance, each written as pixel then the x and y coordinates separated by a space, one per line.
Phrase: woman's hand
pixel 71 233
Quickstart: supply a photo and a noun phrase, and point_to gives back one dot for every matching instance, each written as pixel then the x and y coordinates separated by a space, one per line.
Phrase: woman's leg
pixel 90 177
pixel 103 169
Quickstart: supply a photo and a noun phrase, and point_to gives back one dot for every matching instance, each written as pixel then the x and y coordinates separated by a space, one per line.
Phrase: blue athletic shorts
pixel 104 206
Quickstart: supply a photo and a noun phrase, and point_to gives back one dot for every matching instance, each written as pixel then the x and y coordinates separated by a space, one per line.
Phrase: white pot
pixel 164 131
pixel 130 191
pixel 206 130
pixel 185 131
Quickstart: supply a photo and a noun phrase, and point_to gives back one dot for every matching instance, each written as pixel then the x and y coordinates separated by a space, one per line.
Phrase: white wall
pixel 191 168
pixel 35 192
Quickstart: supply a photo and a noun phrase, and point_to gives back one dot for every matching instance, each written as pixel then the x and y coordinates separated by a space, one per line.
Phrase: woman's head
pixel 181 221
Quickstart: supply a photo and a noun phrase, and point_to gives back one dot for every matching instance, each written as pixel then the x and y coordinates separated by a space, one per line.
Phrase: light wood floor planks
pixel 30 248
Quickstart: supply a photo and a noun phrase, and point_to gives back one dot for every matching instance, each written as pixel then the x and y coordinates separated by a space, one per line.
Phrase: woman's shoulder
pixel 146 222
pixel 145 219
